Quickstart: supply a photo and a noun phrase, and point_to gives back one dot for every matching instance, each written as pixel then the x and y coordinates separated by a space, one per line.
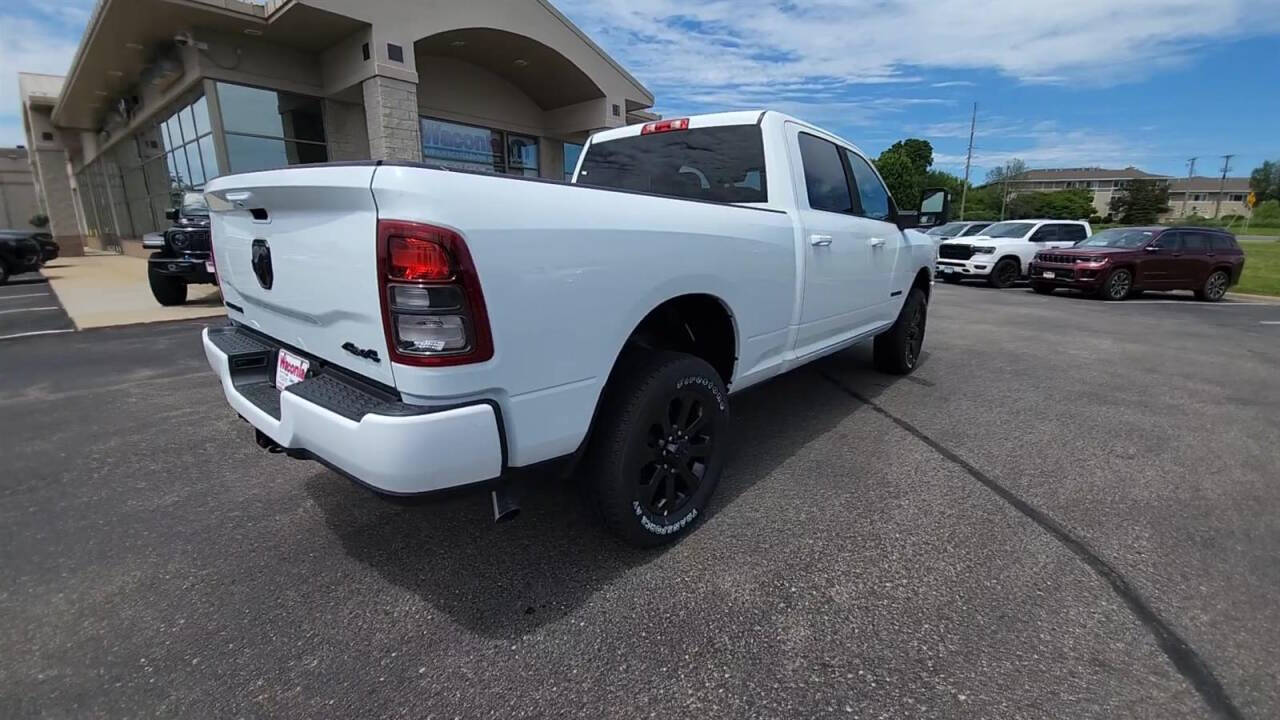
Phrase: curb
pixel 1255 298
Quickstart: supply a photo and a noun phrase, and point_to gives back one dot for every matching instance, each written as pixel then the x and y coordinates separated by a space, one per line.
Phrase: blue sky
pixel 1148 83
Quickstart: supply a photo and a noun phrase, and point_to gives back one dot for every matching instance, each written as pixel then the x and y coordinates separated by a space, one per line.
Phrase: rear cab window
pixel 717 164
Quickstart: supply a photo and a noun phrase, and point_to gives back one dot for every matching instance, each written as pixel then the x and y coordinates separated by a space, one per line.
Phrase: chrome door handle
pixel 877 242
pixel 820 240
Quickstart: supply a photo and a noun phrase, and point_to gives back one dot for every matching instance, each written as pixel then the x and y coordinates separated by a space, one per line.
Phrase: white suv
pixel 1002 252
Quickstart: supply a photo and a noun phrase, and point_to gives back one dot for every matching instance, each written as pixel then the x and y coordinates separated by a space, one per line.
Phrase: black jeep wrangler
pixel 183 253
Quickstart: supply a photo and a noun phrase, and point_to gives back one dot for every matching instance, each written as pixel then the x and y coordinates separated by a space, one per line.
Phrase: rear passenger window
pixel 1194 242
pixel 1046 233
pixel 824 177
pixel 872 193
pixel 1221 242
pixel 1073 233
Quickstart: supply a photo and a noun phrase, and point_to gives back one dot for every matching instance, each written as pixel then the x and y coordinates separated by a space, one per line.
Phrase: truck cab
pixel 1002 253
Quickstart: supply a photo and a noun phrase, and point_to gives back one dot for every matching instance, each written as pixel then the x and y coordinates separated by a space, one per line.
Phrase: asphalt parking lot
pixel 29 307
pixel 1070 510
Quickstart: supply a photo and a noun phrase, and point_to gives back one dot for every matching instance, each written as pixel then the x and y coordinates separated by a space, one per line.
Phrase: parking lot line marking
pixel 1269 322
pixel 51 307
pixel 35 332
pixel 1180 653
pixel 26 295
pixel 1190 303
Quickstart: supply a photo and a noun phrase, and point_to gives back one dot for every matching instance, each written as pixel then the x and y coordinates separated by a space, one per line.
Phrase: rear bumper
pixel 390 446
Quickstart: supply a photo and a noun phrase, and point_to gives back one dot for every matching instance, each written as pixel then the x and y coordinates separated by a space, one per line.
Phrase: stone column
pixel 391 119
pixel 59 203
pixel 345 131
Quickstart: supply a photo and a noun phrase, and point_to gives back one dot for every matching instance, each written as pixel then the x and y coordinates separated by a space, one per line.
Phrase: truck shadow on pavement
pixel 504 581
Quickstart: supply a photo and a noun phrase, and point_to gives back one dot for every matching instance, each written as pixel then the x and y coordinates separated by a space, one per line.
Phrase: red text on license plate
pixel 290 369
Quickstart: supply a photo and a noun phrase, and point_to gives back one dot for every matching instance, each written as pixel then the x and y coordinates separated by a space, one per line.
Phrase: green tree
pixel 1140 202
pixel 1267 213
pixel 1265 181
pixel 1012 168
pixel 919 152
pixel 900 175
pixel 982 203
pixel 1076 204
pixel 942 179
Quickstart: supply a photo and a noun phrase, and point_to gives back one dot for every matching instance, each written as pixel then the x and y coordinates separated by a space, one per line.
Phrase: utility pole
pixel 964 190
pixel 1222 184
pixel 1191 172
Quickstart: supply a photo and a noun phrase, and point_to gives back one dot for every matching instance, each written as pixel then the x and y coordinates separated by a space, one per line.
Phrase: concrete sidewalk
pixel 100 290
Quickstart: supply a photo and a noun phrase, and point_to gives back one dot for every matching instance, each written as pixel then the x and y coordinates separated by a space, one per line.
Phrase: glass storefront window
pixel 266 129
pixel 571 153
pixel 247 153
pixel 187 121
pixel 468 147
pixel 211 170
pixel 200 110
pixel 522 155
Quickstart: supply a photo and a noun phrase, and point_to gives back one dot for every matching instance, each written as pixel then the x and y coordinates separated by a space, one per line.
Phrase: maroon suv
pixel 1118 262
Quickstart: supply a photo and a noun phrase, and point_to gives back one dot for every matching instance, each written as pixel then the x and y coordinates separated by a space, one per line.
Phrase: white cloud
pixel 953 83
pixel 688 48
pixel 1046 146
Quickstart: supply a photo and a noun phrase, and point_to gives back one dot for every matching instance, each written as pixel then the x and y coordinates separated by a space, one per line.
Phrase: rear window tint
pixel 1222 242
pixel 720 164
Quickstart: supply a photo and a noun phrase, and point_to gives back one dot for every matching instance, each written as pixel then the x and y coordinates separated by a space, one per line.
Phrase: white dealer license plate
pixel 290 369
pixel 208 266
pixel 946 269
pixel 1046 274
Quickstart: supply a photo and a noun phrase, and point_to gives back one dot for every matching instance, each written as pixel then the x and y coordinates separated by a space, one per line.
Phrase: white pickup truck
pixel 417 328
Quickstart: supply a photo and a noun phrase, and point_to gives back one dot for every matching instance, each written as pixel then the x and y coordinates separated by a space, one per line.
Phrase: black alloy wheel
pixel 680 439
pixel 1004 274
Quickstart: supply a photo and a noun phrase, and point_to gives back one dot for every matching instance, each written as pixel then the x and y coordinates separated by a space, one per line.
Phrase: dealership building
pixel 164 95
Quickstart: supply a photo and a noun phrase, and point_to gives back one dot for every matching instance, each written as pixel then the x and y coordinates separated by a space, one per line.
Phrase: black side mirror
pixel 935 208
pixel 171 214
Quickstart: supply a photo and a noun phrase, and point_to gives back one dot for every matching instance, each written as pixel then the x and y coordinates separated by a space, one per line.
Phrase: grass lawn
pixel 1268 231
pixel 1261 268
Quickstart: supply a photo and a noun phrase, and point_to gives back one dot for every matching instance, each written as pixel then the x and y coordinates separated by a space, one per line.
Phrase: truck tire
pixel 658 447
pixel 4 273
pixel 168 290
pixel 1004 274
pixel 897 350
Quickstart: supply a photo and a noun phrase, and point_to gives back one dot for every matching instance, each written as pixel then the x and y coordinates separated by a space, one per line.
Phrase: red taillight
pixel 662 126
pixel 432 308
pixel 417 259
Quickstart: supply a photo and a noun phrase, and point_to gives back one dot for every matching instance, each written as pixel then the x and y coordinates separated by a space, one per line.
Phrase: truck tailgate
pixel 296 255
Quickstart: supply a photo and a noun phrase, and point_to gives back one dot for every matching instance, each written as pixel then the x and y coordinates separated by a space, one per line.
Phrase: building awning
pixel 125 39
